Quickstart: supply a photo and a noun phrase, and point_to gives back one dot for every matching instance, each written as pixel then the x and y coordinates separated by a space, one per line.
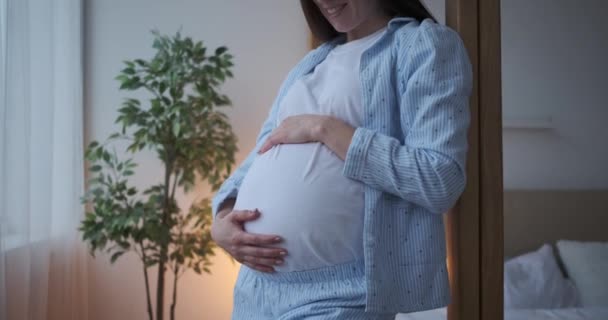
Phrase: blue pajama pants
pixel 334 292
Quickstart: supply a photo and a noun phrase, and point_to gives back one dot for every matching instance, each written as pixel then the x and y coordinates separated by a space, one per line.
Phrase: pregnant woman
pixel 337 212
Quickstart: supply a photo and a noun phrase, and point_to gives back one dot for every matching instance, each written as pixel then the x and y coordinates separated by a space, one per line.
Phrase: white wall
pixel 554 64
pixel 437 9
pixel 267 37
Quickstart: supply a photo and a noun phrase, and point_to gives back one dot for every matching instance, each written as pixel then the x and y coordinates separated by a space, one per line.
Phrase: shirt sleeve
pixel 428 168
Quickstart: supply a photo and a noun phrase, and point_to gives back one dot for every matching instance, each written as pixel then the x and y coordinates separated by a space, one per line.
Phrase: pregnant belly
pixel 304 198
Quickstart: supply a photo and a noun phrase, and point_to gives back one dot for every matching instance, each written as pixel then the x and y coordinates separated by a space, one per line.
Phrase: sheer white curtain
pixel 42 259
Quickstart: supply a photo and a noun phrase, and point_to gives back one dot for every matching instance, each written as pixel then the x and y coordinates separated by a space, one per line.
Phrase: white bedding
pixel 522 314
pixel 554 314
pixel 435 314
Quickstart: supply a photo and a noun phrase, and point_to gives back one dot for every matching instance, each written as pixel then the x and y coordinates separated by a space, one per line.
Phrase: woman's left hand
pixel 332 132
pixel 295 129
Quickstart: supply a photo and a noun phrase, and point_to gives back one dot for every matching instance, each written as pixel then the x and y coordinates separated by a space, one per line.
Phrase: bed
pixel 556 256
pixel 590 313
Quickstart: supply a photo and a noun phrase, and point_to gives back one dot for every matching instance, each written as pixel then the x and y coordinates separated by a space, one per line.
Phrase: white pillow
pixel 534 281
pixel 587 265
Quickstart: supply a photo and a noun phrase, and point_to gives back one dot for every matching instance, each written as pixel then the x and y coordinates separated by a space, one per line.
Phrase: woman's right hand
pixel 252 250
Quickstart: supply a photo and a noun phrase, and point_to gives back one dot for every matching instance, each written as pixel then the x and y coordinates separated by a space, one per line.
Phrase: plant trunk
pixel 160 290
pixel 175 271
pixel 149 303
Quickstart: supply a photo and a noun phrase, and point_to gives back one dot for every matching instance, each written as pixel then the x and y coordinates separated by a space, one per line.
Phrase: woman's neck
pixel 368 27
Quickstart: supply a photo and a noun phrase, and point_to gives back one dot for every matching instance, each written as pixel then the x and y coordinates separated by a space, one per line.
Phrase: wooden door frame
pixel 475 226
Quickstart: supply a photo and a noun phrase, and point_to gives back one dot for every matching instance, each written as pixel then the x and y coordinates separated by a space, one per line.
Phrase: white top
pixel 299 188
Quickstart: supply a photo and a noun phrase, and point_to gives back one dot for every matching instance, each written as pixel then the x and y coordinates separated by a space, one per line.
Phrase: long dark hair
pixel 322 30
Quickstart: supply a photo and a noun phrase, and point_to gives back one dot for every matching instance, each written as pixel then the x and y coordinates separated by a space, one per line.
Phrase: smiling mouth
pixel 335 11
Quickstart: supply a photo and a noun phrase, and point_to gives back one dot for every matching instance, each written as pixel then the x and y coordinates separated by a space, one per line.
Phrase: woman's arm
pixel 335 134
pixel 428 168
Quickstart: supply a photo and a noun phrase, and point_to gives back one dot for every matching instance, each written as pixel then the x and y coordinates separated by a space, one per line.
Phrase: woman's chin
pixel 342 30
pixel 341 27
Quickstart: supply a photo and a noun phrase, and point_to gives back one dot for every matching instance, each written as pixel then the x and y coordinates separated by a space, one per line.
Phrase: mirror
pixel 554 151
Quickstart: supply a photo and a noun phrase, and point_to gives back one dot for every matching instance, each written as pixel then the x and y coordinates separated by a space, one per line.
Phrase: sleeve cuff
pixel 221 197
pixel 357 153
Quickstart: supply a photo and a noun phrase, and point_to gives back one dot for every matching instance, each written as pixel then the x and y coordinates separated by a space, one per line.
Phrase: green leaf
pixel 122 78
pixel 220 50
pixel 125 85
pixel 129 71
pixel 128 173
pixel 95 168
pixel 176 129
pixel 141 62
pixel 116 255
pixel 155 65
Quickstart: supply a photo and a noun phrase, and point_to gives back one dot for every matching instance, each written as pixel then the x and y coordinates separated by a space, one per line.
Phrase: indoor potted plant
pixel 194 141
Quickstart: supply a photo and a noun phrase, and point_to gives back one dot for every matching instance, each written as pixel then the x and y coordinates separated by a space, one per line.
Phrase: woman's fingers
pixel 242 216
pixel 302 128
pixel 265 147
pixel 277 136
pixel 243 237
pixel 257 239
pixel 262 252
pixel 261 259
pixel 268 262
pixel 261 268
pixel 248 248
pixel 269 143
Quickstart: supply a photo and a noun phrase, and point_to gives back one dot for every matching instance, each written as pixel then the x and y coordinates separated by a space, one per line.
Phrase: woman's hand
pixel 332 132
pixel 247 248
pixel 295 129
